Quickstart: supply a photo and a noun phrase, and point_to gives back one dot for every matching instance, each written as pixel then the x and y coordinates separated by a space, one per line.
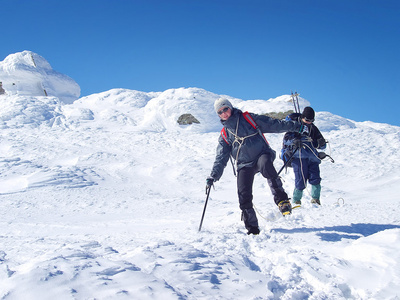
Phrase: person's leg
pixel 297 195
pixel 266 168
pixel 300 169
pixel 315 180
pixel 300 174
pixel 245 179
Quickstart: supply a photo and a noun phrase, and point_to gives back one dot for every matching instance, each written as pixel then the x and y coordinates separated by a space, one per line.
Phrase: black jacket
pixel 310 149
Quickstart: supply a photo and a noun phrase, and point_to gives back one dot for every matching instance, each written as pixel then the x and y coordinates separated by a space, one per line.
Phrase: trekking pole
pixel 322 155
pixel 297 100
pixel 204 210
pixel 294 104
pixel 294 100
pixel 287 162
pixel 233 165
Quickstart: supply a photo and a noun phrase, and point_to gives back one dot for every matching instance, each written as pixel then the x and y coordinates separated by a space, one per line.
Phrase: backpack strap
pixel 224 135
pixel 250 119
pixel 253 123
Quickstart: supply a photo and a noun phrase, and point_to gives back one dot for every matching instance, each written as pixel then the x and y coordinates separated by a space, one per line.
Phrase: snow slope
pixel 102 199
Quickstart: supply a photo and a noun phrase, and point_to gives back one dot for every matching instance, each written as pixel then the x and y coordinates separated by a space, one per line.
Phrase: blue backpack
pixel 287 147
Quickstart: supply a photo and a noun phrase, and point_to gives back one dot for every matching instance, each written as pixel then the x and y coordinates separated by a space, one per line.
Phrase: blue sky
pixel 341 55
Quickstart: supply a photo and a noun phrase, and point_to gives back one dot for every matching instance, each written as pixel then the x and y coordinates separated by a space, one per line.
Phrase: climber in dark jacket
pixel 252 154
pixel 306 160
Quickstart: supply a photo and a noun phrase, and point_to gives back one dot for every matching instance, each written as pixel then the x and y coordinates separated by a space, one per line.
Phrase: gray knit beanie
pixel 222 102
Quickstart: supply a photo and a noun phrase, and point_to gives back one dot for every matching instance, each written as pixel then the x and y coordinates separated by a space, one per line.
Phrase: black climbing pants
pixel 245 179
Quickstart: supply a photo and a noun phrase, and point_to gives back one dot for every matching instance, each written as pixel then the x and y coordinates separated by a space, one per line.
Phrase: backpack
pixel 251 121
pixel 287 149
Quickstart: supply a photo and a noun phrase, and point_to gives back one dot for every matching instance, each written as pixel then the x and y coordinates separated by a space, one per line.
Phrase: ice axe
pixel 205 206
pixel 322 155
pixel 288 161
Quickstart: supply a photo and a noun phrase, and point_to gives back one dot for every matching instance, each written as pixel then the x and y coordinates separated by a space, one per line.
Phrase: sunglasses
pixel 220 112
pixel 308 120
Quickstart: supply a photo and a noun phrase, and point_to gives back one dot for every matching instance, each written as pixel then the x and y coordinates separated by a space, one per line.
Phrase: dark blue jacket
pixel 245 143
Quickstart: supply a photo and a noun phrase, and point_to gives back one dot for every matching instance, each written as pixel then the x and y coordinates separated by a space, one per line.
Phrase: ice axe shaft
pixel 205 206
pixel 287 162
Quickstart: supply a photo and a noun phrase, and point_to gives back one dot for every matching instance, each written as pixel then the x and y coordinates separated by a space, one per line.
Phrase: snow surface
pixel 102 199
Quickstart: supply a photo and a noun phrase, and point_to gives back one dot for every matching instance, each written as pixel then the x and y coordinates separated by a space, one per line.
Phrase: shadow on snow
pixel 337 233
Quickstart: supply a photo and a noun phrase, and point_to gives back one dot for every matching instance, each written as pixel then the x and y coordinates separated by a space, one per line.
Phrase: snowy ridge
pixel 102 198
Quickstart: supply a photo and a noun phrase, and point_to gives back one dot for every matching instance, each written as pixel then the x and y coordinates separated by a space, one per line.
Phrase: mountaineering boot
pixel 285 207
pixel 315 201
pixel 315 194
pixel 250 221
pixel 253 230
pixel 297 194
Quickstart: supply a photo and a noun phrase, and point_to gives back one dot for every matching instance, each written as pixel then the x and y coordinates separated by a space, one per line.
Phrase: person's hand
pixel 209 183
pixel 321 142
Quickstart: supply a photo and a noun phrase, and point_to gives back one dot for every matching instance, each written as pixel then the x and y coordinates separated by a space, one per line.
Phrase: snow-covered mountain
pixel 29 74
pixel 101 198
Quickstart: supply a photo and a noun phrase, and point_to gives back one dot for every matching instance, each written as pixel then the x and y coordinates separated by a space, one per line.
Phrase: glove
pixel 209 183
pixel 321 143
pixel 297 143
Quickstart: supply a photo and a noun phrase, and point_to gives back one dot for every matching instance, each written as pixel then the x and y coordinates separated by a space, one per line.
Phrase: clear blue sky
pixel 341 55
